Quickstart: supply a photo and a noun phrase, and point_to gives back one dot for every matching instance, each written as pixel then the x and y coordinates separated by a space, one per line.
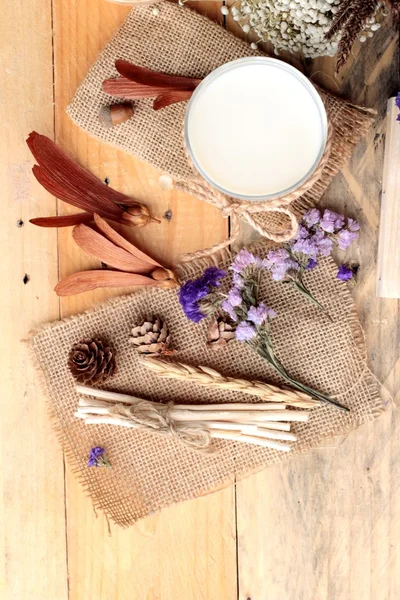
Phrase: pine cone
pixel 92 361
pixel 219 334
pixel 152 338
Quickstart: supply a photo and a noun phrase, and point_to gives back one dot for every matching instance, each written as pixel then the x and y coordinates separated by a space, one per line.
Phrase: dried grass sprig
pixel 211 378
pixel 352 18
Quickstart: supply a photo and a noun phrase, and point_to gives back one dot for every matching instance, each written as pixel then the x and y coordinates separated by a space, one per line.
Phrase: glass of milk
pixel 255 128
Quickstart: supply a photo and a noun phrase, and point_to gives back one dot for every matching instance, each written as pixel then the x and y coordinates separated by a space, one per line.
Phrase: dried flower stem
pixel 211 378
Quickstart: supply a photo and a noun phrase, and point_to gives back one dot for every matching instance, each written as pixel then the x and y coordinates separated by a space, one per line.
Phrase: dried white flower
pixel 294 25
pixel 225 10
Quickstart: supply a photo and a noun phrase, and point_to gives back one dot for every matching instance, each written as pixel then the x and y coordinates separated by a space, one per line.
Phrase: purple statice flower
pixel 237 281
pixel 306 246
pixel 344 273
pixel 235 297
pixel 312 263
pixel 278 255
pixel 228 308
pixel 259 314
pixel 281 263
pixel 323 243
pixel 312 217
pixel 397 102
pixel 331 221
pixel 97 457
pixel 243 259
pixel 352 225
pixel 245 331
pixel 345 238
pixel 192 292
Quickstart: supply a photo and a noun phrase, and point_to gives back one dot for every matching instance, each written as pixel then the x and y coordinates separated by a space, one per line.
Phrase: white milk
pixel 255 129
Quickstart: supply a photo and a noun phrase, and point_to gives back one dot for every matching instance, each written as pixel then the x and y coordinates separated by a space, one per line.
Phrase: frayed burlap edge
pixel 186 271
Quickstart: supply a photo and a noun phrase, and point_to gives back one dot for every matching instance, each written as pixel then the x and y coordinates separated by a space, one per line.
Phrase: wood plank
pixel 388 276
pixel 326 525
pixel 32 515
pixel 188 551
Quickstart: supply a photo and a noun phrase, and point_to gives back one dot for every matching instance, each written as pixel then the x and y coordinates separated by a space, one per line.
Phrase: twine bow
pixel 144 414
pixel 237 210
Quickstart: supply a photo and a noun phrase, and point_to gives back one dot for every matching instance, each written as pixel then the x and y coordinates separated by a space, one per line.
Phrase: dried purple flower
pixel 228 308
pixel 192 292
pixel 245 331
pixel 345 238
pixel 344 273
pixel 237 280
pixel 352 225
pixel 331 221
pixel 243 259
pixel 259 314
pixel 397 101
pixel 97 458
pixel 312 263
pixel 235 297
pixel 312 217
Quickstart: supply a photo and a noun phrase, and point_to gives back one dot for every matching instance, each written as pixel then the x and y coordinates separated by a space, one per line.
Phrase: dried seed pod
pixel 92 361
pixel 113 115
pixel 219 333
pixel 152 338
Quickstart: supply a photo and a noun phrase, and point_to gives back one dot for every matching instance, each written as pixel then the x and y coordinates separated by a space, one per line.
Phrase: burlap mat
pixel 182 42
pixel 150 472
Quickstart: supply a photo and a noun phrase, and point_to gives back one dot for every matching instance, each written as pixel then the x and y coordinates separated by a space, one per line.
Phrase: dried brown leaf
pixel 120 241
pixel 154 78
pixel 85 281
pixel 63 221
pixel 96 245
pixel 166 99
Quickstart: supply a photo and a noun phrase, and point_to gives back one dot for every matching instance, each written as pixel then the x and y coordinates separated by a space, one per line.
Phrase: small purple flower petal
pixel 243 259
pixel 259 314
pixel 95 453
pixel 331 221
pixel 312 263
pixel 277 256
pixel 235 297
pixel 245 331
pixel 312 217
pixel 193 291
pixel 397 101
pixel 344 273
pixel 325 246
pixel 352 225
pixel 237 280
pixel 228 308
pixel 345 238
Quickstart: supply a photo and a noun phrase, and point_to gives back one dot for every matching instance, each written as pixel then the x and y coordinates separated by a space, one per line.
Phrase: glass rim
pixel 277 64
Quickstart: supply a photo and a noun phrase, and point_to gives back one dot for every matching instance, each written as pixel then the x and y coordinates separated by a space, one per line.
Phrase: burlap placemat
pixel 149 471
pixel 182 42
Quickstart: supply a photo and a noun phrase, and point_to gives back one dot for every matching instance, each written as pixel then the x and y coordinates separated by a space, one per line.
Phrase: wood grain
pixel 187 552
pixel 322 526
pixel 388 276
pixel 32 510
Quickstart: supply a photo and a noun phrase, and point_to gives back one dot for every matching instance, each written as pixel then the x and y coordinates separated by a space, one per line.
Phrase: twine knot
pixel 147 416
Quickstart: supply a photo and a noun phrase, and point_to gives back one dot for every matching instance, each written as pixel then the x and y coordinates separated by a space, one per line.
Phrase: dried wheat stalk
pixel 211 378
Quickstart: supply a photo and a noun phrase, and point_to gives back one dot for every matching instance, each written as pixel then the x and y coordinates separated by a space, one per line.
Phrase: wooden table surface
pixel 325 526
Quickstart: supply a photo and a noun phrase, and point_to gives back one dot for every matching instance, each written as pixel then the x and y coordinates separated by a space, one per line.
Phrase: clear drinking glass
pixel 298 77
